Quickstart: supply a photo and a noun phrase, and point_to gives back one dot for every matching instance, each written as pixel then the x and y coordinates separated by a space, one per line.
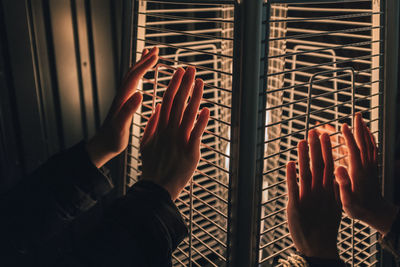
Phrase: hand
pixel 338 144
pixel 313 209
pixel 113 136
pixel 170 146
pixel 360 190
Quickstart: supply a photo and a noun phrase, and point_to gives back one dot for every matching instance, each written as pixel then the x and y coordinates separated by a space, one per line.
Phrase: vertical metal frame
pixel 391 68
pixel 390 92
pixel 247 120
pixel 127 58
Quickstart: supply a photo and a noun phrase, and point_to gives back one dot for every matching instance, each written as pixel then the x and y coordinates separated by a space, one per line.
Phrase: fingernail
pixel 345 127
pixel 206 111
pixel 199 81
pixel 180 69
pixel 312 134
pixel 303 144
pixel 190 69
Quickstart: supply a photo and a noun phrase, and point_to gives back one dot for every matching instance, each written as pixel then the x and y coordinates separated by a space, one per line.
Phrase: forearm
pixel 143 228
pixel 391 240
pixel 46 202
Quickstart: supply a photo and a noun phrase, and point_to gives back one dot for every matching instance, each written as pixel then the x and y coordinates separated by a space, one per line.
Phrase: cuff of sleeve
pixel 391 241
pixel 93 181
pixel 319 262
pixel 168 213
pixel 79 184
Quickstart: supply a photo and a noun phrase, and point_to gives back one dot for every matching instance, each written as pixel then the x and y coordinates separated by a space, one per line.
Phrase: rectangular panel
pixel 316 47
pixel 200 35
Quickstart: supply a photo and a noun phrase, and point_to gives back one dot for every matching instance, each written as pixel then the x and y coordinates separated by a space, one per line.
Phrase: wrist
pixel 382 218
pixel 96 154
pixel 173 192
pixel 322 252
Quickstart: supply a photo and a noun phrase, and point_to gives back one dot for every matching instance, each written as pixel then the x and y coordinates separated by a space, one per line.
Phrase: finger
pixel 345 186
pixel 352 148
pixel 151 126
pixel 319 129
pixel 329 163
pixel 336 191
pixel 168 98
pixel 141 70
pixel 124 117
pixel 181 98
pixel 375 153
pixel 153 52
pixel 146 56
pixel 199 127
pixel 144 53
pixel 131 82
pixel 343 154
pixel 191 110
pixel 304 165
pixel 359 135
pixel 291 181
pixel 317 162
pixel 369 144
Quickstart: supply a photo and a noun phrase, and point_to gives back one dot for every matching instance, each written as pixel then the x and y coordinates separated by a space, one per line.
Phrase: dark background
pixel 59 70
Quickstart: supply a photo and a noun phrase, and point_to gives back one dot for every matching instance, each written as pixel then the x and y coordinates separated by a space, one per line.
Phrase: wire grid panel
pixel 318 42
pixel 199 35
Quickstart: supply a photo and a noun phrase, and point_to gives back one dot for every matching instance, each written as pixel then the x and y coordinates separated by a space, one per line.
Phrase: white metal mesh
pixel 199 35
pixel 304 40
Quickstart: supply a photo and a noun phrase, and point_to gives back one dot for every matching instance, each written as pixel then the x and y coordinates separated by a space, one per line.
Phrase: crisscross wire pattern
pixel 304 40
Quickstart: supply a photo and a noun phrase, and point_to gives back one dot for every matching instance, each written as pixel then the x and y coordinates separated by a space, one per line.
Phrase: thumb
pixel 124 117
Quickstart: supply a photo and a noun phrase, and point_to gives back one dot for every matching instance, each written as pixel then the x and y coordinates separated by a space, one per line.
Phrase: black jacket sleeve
pixel 391 241
pixel 141 229
pixel 45 203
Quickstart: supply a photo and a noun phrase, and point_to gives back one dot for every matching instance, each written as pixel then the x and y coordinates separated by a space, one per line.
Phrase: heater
pixel 273 70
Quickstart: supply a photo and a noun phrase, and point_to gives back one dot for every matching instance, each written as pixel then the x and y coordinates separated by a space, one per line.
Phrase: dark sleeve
pixel 45 203
pixel 142 229
pixel 391 241
pixel 317 262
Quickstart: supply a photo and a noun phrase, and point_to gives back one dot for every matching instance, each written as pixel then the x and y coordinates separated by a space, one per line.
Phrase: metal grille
pixel 323 64
pixel 200 35
pixel 313 51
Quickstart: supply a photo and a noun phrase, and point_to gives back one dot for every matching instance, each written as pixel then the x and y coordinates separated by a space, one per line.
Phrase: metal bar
pixel 333 33
pixel 163 16
pixel 186 10
pixel 316 126
pixel 187 33
pixel 327 64
pixel 245 181
pixel 126 62
pixel 276 254
pixel 196 2
pixel 325 48
pixel 310 94
pixel 184 48
pixel 391 86
pixel 358 15
pixel 327 79
pixel 302 2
